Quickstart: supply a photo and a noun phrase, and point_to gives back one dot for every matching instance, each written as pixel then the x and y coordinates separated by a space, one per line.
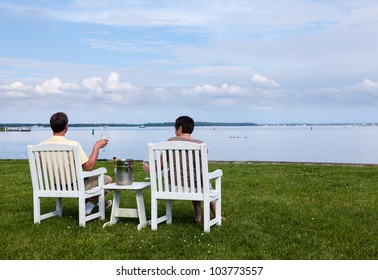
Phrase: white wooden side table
pixel 139 212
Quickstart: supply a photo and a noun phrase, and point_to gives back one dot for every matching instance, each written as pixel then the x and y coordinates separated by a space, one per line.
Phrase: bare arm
pixel 90 164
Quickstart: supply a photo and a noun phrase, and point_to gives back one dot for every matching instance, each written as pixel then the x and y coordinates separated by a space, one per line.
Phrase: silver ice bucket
pixel 124 171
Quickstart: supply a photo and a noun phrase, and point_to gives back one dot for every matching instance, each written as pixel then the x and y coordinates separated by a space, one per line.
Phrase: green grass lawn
pixel 273 212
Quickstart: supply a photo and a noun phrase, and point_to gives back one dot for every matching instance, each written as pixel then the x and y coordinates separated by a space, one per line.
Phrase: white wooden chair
pixel 179 171
pixel 56 172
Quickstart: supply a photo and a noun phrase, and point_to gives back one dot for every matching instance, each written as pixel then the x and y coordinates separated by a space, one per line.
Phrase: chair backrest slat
pixel 55 171
pixel 177 172
pixel 67 170
pixel 165 172
pixel 36 163
pixel 191 172
pixel 171 168
pixel 47 173
pixel 73 171
pixel 198 171
pixel 185 177
pixel 61 171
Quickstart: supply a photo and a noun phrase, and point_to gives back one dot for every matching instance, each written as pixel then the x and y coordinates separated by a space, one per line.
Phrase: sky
pixel 263 61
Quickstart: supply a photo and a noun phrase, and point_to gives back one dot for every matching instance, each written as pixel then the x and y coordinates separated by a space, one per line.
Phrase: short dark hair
pixel 58 122
pixel 186 123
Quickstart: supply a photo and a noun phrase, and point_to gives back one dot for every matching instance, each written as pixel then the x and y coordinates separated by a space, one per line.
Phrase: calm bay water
pixel 330 144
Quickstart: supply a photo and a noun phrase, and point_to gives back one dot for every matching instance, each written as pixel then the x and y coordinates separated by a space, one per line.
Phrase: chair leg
pixel 58 206
pixel 206 216
pixel 37 210
pixel 219 211
pixel 101 206
pixel 168 210
pixel 82 212
pixel 154 214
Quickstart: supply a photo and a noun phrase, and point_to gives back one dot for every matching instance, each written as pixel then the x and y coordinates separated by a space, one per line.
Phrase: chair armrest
pixel 215 174
pixel 95 172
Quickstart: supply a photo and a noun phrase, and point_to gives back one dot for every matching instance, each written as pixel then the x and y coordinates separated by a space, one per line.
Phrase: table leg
pixel 115 207
pixel 141 210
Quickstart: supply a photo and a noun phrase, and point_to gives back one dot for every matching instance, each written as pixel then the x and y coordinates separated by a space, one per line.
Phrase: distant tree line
pixel 157 124
pixel 171 124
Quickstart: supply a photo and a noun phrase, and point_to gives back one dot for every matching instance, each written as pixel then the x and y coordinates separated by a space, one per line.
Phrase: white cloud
pixel 231 89
pixel 55 86
pixel 263 81
pixel 49 87
pixel 368 84
pixel 16 86
pixel 206 89
pixel 93 84
pixel 113 84
pixel 224 89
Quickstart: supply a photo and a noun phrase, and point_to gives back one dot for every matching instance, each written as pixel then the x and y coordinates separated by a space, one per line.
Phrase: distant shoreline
pixel 247 162
pixel 170 124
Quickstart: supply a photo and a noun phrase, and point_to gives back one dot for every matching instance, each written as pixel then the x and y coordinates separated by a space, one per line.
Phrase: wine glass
pixel 103 136
pixel 145 161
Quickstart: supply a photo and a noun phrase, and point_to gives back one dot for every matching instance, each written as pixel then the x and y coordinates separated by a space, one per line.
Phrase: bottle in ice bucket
pixel 123 171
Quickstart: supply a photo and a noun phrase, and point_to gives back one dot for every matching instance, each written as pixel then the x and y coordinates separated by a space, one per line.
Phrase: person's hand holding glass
pixel 104 137
pixel 102 143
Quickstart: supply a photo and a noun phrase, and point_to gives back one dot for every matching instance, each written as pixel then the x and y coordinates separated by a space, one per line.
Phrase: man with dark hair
pixel 59 126
pixel 186 123
pixel 58 122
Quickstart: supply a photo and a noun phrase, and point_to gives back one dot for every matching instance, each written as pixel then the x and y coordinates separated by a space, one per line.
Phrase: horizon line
pixel 197 123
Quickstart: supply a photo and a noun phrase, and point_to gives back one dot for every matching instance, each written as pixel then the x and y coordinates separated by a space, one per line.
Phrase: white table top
pixel 133 186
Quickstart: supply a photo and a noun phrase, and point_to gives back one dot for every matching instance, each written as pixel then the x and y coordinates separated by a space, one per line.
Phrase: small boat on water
pixel 142 126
